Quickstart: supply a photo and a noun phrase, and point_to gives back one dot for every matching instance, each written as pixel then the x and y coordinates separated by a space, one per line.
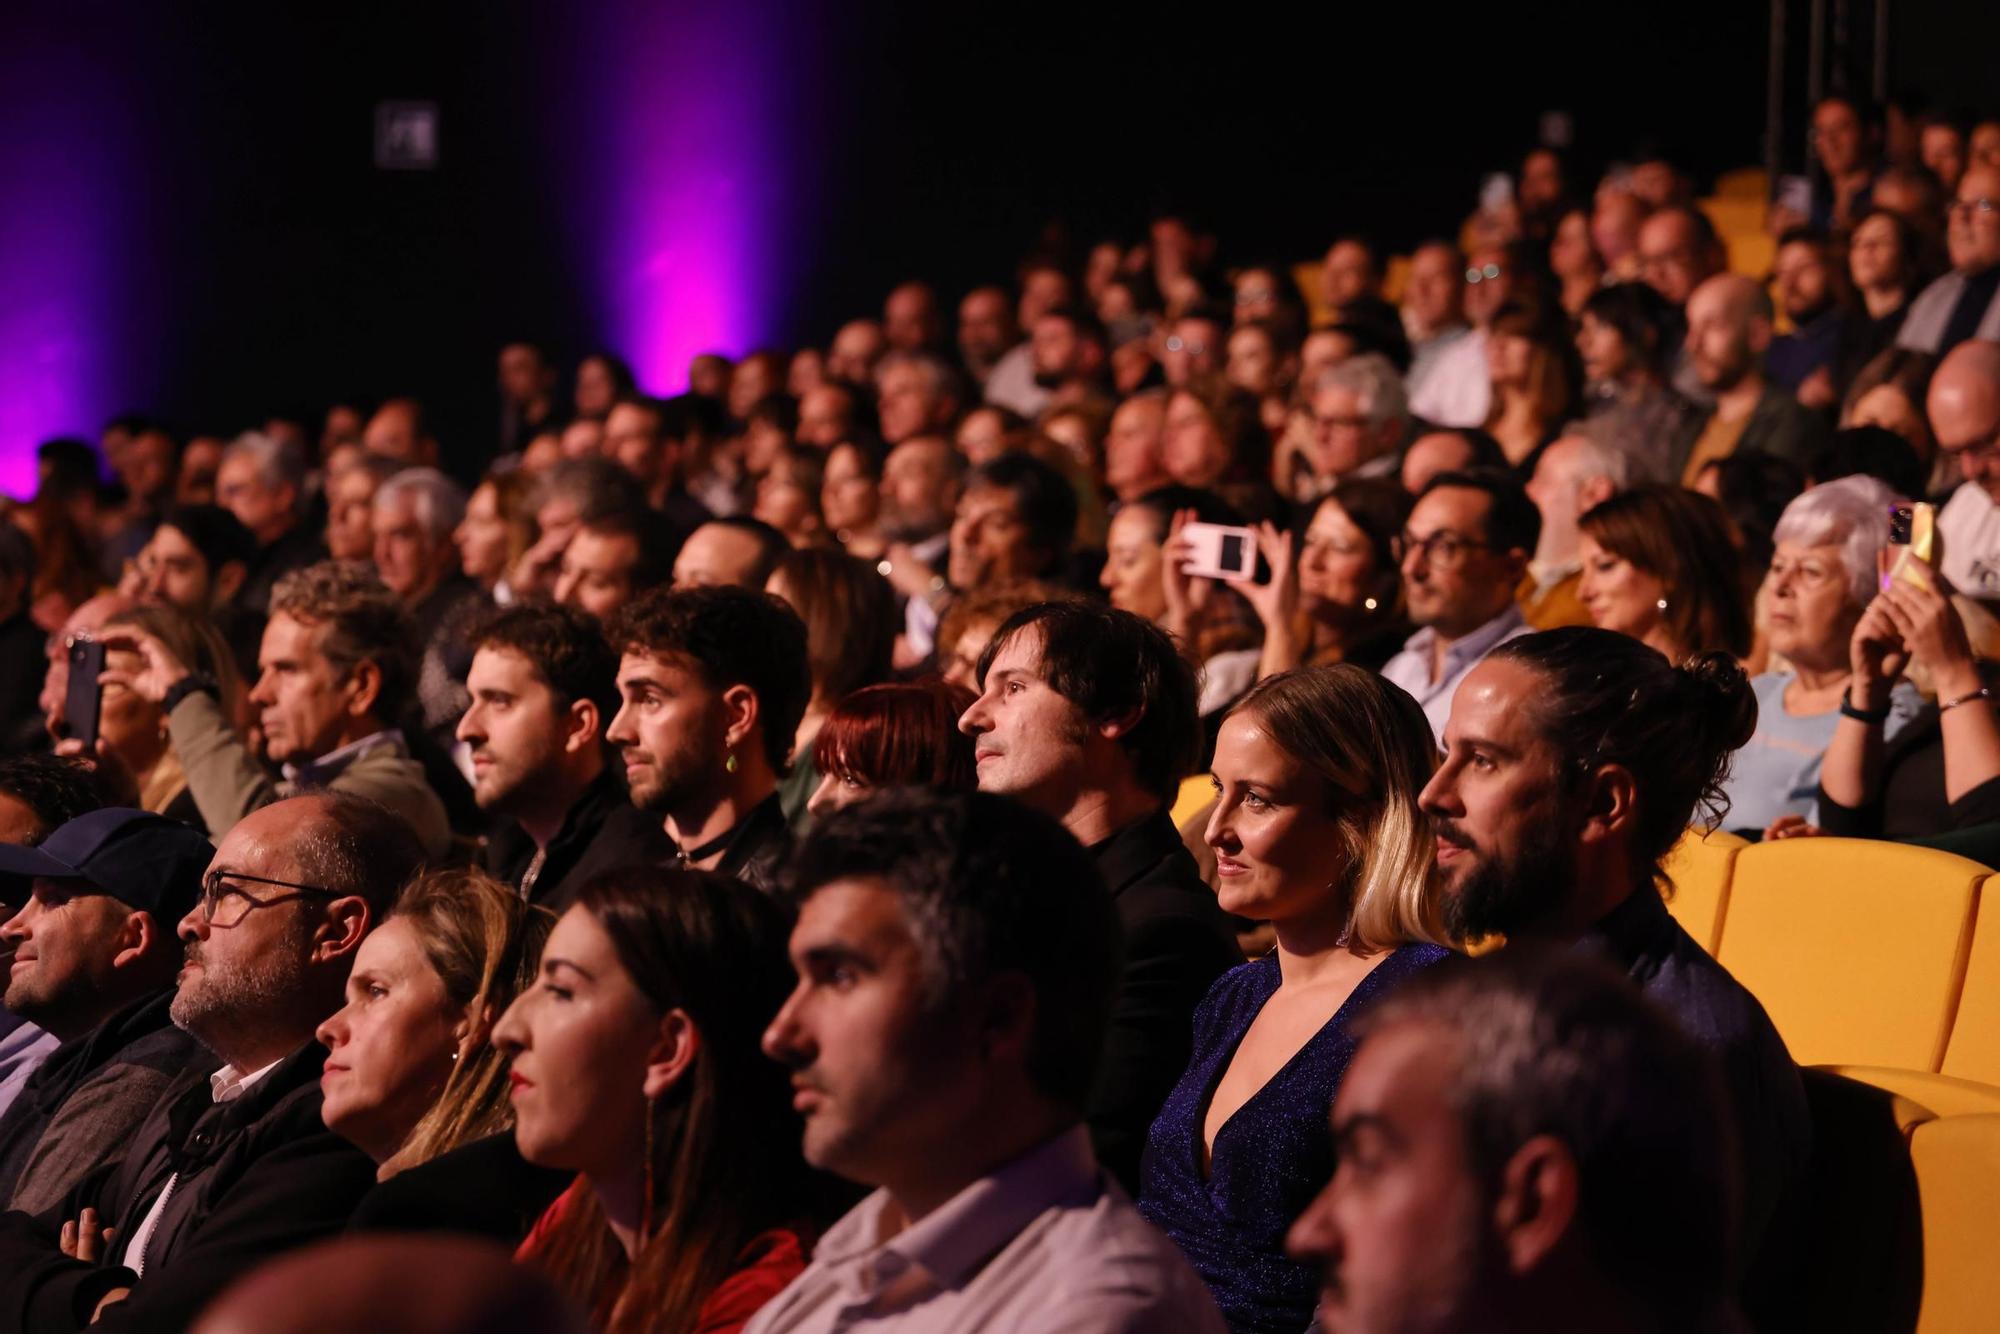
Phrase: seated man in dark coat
pixel 1088 715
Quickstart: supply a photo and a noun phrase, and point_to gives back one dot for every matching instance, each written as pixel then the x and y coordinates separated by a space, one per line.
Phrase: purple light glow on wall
pixel 57 252
pixel 690 163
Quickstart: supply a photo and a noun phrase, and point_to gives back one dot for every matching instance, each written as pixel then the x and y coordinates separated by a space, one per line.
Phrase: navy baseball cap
pixel 143 860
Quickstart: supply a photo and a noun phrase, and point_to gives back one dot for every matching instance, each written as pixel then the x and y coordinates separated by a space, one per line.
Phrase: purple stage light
pixel 686 144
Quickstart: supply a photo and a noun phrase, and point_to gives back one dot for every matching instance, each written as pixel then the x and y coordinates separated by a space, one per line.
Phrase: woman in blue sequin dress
pixel 1316 830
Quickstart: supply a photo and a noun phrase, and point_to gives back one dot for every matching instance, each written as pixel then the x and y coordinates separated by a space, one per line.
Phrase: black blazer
pixel 1177 942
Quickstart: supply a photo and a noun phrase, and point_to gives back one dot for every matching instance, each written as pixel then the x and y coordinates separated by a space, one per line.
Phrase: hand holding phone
pixel 81 703
pixel 1220 551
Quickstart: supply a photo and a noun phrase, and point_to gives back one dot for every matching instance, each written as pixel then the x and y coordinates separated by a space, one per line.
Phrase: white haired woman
pixel 1824 573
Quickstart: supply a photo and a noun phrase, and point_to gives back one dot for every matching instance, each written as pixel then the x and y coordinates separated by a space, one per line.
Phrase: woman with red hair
pixel 893 736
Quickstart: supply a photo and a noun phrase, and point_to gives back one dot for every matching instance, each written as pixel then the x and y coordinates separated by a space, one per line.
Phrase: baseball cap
pixel 143 860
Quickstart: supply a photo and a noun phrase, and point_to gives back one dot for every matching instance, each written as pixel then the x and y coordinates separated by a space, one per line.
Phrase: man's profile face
pixel 985 325
pixel 1718 337
pixel 917 493
pixel 63 940
pixel 632 441
pixel 252 957
pixel 1027 739
pixel 670 730
pixel 1497 806
pixel 263 509
pixel 523 377
pixel 880 1066
pixel 512 727
pixel 1836 133
pixel 302 700
pixel 1804 280
pixel 907 401
pixel 1974 231
pixel 1401 1229
pixel 1452 579
pixel 1132 446
pixel 410 557
pixel 714 555
pixel 1669 258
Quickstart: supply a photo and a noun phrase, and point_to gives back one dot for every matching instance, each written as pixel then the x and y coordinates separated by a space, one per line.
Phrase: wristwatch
pixel 194 683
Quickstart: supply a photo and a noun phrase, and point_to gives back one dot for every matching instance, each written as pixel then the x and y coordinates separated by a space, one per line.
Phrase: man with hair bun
pixel 1573 762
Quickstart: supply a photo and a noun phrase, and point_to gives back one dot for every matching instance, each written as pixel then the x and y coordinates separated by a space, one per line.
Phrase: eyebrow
pixel 1348 1130
pixel 1482 743
pixel 825 955
pixel 549 965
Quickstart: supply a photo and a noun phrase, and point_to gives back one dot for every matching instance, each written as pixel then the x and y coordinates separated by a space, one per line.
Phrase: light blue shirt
pixel 1777 771
pixel 1411 669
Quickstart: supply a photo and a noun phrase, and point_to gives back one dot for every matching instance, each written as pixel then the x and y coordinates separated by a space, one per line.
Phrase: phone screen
pixel 1231 557
pixel 86 660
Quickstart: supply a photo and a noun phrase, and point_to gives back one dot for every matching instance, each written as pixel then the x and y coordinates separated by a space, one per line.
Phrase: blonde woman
pixel 1316 830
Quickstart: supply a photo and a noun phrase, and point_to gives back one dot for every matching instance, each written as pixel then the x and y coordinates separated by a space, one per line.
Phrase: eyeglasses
pixel 1482 274
pixel 1176 343
pixel 225 905
pixel 1353 421
pixel 1963 208
pixel 1443 548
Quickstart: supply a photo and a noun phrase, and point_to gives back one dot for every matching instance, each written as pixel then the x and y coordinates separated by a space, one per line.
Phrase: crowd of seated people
pixel 834 849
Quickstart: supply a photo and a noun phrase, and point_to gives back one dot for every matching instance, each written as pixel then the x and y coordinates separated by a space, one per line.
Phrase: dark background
pixel 258 262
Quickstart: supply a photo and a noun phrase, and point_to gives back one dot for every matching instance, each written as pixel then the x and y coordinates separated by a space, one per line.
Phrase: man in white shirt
pixel 1464 552
pixel 1965 416
pixel 956 955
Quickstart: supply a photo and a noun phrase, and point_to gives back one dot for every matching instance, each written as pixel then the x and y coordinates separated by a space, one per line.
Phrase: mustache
pixel 1450 832
pixel 191 952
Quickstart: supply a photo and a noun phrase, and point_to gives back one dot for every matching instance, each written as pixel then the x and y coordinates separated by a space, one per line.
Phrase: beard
pixel 1501 893
pixel 674 780
pixel 225 1007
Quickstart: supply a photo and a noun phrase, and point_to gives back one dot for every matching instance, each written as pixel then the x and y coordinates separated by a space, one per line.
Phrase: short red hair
pixel 900 736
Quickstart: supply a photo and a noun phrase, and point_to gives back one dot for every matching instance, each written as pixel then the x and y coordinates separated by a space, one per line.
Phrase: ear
pixel 136 935
pixel 227 580
pixel 673 1053
pixel 1007 1019
pixel 339 935
pixel 474 1029
pixel 1612 804
pixel 583 727
pixel 1537 1203
pixel 1113 728
pixel 741 712
pixel 364 687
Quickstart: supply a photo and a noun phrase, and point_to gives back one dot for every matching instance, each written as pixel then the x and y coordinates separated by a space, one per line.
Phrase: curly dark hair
pixel 364 623
pixel 565 645
pixel 734 636
pixel 56 790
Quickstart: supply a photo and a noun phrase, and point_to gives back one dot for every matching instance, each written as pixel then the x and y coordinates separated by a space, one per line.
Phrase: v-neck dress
pixel 1272 1156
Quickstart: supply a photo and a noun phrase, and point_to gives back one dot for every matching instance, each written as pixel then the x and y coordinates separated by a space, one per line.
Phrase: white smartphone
pixel 1218 551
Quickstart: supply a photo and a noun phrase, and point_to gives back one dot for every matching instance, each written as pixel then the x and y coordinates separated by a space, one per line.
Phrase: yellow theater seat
pixel 1699 866
pixel 1973 1052
pixel 1196 792
pixel 1957 1159
pixel 1857 948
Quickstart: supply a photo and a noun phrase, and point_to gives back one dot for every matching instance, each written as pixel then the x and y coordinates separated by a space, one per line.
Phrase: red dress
pixel 763 1268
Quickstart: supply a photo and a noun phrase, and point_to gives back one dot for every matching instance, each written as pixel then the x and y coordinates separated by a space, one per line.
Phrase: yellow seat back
pixel 1856 947
pixel 1699 866
pixel 1958 1180
pixel 1196 792
pixel 1974 1049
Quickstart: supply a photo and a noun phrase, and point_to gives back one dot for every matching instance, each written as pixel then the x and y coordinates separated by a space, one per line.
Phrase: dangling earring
pixel 1661 604
pixel 729 764
pixel 646 1216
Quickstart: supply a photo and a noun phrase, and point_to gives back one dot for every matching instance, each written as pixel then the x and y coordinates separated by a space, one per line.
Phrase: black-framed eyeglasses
pixel 225 905
pixel 1443 548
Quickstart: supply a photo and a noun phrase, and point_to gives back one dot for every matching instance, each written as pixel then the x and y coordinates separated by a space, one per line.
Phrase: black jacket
pixel 1177 942
pixel 483 1189
pixel 136 1048
pixel 602 830
pixel 754 851
pixel 251 1178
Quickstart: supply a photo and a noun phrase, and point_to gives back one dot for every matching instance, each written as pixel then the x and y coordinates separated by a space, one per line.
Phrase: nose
pixel 1439 796
pixel 784 1038
pixel 821 801
pixel 1315 1236
pixel 1218 834
pixel 333 1033
pixel 510 1035
pixel 976 719
pixel 469 729
pixel 566 583
pixel 193 927
pixel 619 733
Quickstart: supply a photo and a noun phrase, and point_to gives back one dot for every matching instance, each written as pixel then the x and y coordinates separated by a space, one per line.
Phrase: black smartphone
pixel 1901 518
pixel 86 660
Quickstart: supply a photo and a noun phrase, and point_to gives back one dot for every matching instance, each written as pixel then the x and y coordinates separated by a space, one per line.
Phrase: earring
pixel 1661 604
pixel 729 764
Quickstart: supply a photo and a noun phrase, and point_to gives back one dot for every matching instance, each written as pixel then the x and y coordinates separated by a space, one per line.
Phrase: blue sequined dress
pixel 1271 1157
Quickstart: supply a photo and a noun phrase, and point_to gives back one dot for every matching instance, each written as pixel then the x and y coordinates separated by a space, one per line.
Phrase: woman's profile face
pixel 1194 451
pixel 1336 562
pixel 837 791
pixel 1618 594
pixel 132 726
pixel 1133 561
pixel 1279 854
pixel 390 1049
pixel 579 1039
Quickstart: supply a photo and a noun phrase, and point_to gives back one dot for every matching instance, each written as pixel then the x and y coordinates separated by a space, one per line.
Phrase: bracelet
pixel 1870 716
pixel 1950 704
pixel 194 683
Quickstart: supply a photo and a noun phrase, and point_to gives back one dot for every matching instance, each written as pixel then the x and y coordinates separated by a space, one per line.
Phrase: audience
pixel 233 1164
pixel 1524 1144
pixel 1583 408
pixel 1088 716
pixel 957 956
pixel 712 683
pixel 1573 761
pixel 1316 830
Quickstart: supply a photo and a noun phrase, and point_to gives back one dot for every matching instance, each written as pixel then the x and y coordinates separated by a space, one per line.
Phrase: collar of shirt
pixel 1469 648
pixel 227 1084
pixel 320 772
pixel 951 1242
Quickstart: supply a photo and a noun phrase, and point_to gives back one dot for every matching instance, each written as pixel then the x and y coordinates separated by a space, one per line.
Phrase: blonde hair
pixel 1370 744
pixel 485 943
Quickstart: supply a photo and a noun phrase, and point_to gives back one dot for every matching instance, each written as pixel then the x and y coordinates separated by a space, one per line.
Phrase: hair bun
pixel 1717 693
